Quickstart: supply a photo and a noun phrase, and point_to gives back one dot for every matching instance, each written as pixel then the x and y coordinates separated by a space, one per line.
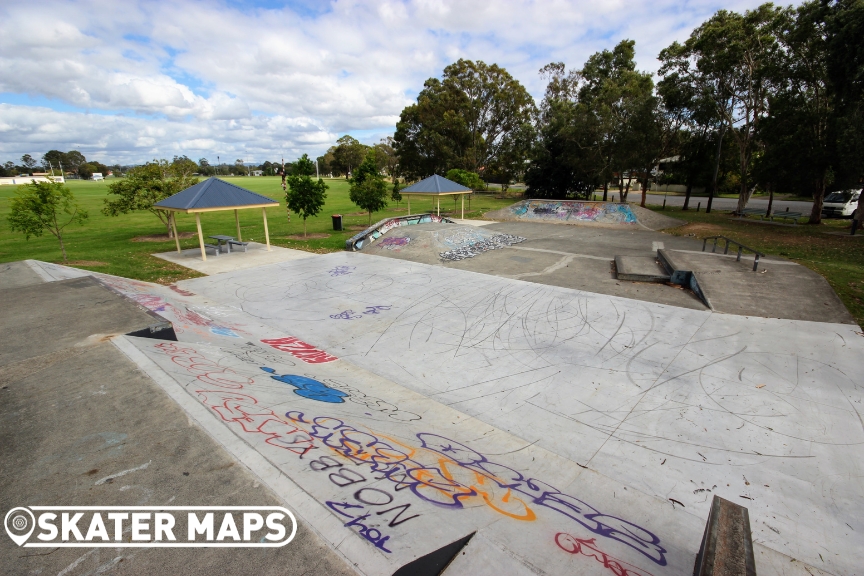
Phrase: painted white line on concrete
pixel 317 518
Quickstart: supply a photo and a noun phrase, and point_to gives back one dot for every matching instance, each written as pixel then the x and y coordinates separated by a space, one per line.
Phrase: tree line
pixel 770 100
pixel 71 163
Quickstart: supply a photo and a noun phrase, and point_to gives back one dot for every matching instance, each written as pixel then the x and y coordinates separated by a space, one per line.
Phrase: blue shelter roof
pixel 213 194
pixel 435 184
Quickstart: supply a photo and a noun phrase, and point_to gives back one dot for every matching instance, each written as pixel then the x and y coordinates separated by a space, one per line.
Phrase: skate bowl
pixel 369 235
pixel 568 212
pixel 436 242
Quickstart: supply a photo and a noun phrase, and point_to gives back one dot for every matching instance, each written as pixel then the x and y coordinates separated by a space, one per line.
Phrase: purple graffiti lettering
pixel 346 315
pixel 375 309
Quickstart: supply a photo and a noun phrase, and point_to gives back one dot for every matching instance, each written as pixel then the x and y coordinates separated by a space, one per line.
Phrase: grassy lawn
pixel 839 258
pixel 105 243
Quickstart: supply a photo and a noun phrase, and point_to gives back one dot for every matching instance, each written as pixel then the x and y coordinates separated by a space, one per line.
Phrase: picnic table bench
pixel 233 242
pixel 787 214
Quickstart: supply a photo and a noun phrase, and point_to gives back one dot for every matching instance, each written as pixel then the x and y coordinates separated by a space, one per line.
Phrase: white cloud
pixel 195 77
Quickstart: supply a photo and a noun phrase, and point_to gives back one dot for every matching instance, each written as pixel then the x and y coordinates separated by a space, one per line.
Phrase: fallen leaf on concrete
pixel 760 386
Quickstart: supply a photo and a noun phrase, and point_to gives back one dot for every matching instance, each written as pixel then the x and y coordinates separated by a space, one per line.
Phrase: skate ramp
pixel 582 212
pixel 440 242
pixel 614 421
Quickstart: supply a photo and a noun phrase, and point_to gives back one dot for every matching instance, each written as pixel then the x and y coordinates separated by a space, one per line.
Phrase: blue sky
pixel 258 80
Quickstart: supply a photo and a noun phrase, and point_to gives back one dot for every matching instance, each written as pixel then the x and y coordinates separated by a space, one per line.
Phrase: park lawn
pixel 104 243
pixel 838 258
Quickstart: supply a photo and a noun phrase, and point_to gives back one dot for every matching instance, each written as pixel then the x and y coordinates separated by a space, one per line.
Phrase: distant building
pixel 257 172
pixel 97 176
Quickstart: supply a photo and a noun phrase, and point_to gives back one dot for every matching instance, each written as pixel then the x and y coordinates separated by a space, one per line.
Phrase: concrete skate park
pixel 560 389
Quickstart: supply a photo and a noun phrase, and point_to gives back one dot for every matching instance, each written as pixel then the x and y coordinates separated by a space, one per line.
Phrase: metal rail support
pixel 741 247
pixel 727 544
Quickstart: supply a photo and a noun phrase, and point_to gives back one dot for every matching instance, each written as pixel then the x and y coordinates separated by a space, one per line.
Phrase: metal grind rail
pixel 729 241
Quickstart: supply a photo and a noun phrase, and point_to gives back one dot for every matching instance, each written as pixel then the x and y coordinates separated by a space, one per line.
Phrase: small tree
pixel 305 196
pixel 368 189
pixel 38 206
pixel 145 185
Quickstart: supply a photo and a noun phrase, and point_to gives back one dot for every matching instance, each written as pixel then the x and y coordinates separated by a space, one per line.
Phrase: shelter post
pixel 266 231
pixel 200 236
pixel 409 204
pixel 237 220
pixel 439 205
pixel 463 206
pixel 173 216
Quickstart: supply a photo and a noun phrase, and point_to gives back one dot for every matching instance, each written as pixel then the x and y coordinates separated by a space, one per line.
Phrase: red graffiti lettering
pixel 588 547
pixel 299 349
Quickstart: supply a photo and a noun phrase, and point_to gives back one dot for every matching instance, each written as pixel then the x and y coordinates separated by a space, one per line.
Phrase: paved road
pixel 726 203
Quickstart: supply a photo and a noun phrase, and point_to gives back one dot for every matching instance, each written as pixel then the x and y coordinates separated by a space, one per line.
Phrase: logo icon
pixel 19 524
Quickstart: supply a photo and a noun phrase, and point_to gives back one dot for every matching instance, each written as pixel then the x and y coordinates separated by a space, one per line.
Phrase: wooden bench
pixel 793 215
pixel 237 243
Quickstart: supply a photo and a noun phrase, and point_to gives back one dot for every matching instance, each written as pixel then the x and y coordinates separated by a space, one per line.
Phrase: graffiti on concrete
pixel 588 547
pixel 372 403
pixel 447 473
pixel 434 468
pixel 375 309
pixel 346 315
pixel 479 247
pixel 574 210
pixel 395 243
pixel 341 270
pixel 308 387
pixel 252 354
pixel 299 349
pixel 351 315
pixel 373 535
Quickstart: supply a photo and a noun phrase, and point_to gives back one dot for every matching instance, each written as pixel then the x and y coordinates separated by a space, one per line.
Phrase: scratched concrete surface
pixel 81 425
pixel 673 404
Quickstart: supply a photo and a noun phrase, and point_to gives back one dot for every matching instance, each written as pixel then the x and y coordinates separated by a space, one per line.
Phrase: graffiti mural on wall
pixel 395 243
pixel 575 211
pixel 368 236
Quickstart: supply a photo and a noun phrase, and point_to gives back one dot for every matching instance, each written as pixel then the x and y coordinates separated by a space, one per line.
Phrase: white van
pixel 97 176
pixel 840 204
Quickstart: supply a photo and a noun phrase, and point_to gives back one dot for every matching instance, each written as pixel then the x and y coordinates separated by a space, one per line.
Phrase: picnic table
pixel 220 240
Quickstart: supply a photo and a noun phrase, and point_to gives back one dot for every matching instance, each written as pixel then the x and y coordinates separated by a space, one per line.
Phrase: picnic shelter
pixel 436 186
pixel 213 195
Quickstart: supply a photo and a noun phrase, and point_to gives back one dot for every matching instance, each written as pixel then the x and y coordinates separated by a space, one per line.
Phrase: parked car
pixel 840 204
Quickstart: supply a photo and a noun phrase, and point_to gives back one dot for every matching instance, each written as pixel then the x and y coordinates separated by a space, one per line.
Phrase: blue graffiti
pixel 309 388
pixel 222 331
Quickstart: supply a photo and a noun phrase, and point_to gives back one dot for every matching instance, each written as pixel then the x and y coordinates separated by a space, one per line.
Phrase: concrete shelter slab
pixel 256 255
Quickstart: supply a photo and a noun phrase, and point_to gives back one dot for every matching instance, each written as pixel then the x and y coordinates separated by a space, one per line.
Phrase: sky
pixel 127 82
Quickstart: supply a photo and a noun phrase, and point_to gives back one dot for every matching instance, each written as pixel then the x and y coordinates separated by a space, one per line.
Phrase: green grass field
pixel 105 243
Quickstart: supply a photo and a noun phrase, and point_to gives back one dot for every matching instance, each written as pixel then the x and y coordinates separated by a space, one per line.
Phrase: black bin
pixel 337 222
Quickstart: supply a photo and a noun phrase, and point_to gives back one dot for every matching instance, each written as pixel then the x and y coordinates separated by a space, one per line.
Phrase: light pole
pixel 317 177
pixel 218 164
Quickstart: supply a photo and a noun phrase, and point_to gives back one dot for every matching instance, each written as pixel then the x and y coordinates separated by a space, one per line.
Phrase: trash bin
pixel 337 221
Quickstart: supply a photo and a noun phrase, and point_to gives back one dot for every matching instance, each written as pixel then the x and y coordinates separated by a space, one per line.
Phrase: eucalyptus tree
pixel 728 60
pixel 476 118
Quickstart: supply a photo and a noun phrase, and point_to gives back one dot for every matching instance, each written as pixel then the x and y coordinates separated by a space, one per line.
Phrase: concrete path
pixel 256 255
pixel 722 203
